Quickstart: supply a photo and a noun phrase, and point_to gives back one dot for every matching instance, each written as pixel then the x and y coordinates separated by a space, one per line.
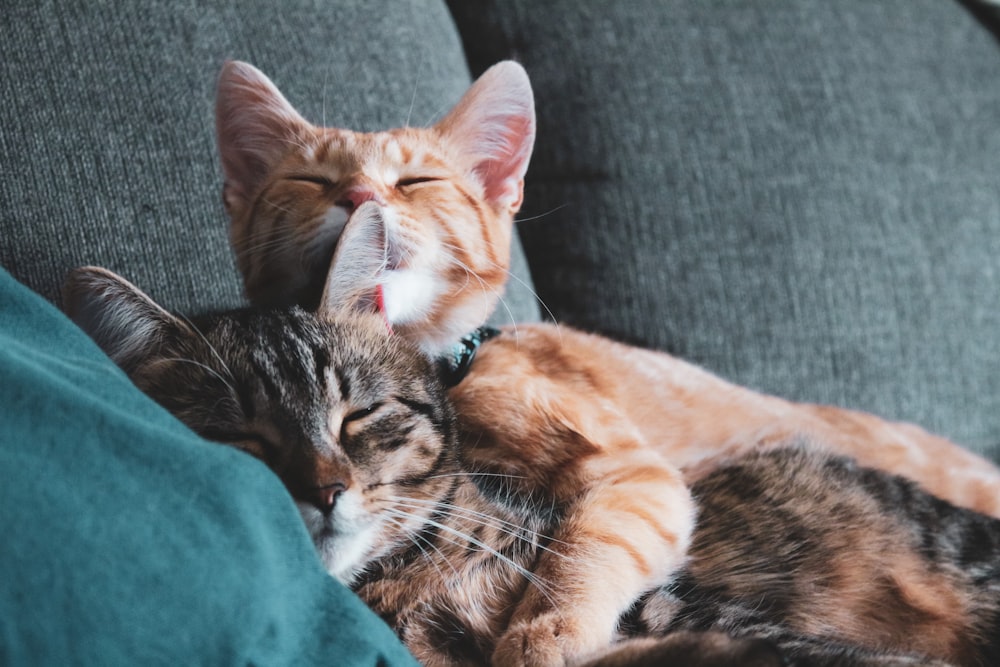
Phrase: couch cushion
pixel 801 196
pixel 107 140
pixel 128 540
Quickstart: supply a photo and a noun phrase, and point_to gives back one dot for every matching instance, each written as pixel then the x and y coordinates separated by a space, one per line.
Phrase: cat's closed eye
pixel 358 415
pixel 321 181
pixel 415 180
pixel 355 421
pixel 252 443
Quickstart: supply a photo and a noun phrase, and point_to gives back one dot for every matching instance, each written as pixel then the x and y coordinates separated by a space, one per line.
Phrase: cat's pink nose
pixel 357 196
pixel 324 498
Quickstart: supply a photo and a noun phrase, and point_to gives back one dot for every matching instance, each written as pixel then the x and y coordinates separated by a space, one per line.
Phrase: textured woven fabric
pixel 801 196
pixel 107 138
pixel 129 541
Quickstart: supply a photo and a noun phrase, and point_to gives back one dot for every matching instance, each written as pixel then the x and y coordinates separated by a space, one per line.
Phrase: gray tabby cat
pixel 793 550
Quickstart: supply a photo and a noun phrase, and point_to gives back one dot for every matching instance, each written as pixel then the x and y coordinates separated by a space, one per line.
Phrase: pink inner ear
pixel 505 160
pixel 494 123
pixel 254 126
pixel 380 306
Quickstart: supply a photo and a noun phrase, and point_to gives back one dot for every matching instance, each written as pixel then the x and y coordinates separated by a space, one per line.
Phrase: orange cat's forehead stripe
pixel 330 144
pixel 405 153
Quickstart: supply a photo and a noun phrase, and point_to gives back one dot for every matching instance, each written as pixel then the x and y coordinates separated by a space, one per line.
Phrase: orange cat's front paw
pixel 547 639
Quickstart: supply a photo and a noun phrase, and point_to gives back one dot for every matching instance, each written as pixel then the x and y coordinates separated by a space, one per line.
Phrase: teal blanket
pixel 127 540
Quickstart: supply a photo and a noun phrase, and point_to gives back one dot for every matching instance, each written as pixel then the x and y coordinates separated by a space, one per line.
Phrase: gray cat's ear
pixel 254 125
pixel 495 123
pixel 120 317
pixel 354 281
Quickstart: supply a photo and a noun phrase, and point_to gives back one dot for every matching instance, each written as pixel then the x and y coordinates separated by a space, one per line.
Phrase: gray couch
pixel 800 195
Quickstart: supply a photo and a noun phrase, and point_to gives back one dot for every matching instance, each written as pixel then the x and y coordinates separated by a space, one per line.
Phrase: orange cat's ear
pixel 121 318
pixel 494 124
pixel 255 126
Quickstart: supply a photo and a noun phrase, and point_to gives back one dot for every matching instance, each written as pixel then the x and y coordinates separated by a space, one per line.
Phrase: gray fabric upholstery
pixel 801 196
pixel 107 138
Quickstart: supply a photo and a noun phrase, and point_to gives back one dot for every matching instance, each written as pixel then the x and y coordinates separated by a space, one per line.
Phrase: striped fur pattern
pixel 291 188
pixel 799 557
pixel 469 562
pixel 438 250
pixel 835 564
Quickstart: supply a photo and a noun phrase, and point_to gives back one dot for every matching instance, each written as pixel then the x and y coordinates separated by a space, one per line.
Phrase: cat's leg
pixel 627 532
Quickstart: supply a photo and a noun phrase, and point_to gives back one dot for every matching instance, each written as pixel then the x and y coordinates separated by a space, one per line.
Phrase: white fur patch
pixel 407 295
pixel 345 539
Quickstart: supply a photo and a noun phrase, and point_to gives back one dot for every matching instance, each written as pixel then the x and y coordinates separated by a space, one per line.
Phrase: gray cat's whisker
pixel 538 582
pixel 413 536
pixel 517 532
pixel 213 350
pixel 544 586
pixel 476 474
pixel 207 368
pixel 507 527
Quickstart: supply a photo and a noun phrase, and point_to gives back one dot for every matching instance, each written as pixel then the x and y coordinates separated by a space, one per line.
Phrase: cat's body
pixel 454 550
pixel 835 563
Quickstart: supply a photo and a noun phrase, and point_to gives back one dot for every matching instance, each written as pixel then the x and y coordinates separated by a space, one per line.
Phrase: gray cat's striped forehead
pixel 287 378
pixel 298 360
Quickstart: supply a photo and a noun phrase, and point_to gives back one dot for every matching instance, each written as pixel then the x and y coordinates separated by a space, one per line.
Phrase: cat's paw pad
pixel 545 640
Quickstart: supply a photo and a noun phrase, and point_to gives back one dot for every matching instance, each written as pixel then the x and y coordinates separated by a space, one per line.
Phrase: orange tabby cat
pixel 424 219
pixel 448 195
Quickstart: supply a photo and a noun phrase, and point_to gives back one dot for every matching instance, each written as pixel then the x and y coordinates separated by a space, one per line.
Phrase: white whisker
pixel 207 368
pixel 214 351
pixel 413 536
pixel 297 141
pixel 298 237
pixel 476 474
pixel 275 205
pixel 483 519
pixel 511 275
pixel 538 582
pixel 416 84
pixel 326 81
pixel 541 215
pixel 482 283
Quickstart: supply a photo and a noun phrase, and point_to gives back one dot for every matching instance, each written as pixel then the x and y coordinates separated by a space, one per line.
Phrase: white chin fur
pixel 344 549
pixel 407 295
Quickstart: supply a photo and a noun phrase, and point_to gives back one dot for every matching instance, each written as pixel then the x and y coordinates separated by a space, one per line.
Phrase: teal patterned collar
pixel 455 364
